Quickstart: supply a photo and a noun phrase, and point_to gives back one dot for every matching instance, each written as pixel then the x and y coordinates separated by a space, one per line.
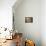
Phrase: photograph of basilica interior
pixel 22 22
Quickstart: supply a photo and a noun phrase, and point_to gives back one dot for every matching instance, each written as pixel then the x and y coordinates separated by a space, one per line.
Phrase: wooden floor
pixel 9 43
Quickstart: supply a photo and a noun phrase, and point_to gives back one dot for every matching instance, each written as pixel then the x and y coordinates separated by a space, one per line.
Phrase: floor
pixel 9 43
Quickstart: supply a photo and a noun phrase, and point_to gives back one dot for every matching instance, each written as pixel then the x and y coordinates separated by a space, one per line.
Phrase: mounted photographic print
pixel 28 19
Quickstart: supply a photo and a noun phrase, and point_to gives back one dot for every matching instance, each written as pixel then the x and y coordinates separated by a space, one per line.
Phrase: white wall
pixel 6 13
pixel 29 8
pixel 43 22
pixel 6 18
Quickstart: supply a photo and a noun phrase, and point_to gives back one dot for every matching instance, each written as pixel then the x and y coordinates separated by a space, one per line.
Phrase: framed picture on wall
pixel 28 19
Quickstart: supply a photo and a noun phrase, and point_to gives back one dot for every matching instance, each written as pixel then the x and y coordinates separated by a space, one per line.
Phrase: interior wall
pixel 29 8
pixel 43 22
pixel 6 13
pixel 6 18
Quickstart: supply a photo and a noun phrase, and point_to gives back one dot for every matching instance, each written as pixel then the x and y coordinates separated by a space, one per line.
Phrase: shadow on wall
pixel 28 8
